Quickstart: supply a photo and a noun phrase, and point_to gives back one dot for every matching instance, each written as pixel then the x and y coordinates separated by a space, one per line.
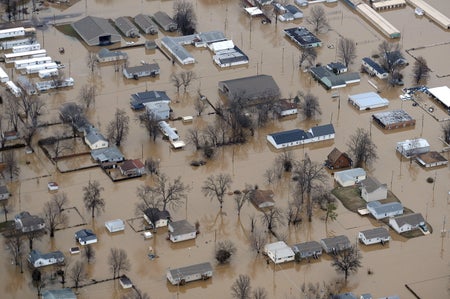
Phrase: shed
pixel 116 225
pixel 96 31
pixel 180 276
pixel 146 24
pixel 335 244
pixel 181 230
pixel 412 147
pixel 4 192
pixel 374 236
pixel 85 237
pixel 407 222
pixel 431 159
pixel 164 21
pixel 350 177
pixel 386 210
pixel 306 250
pixel 132 168
pixel 262 198
pixel 126 27
pixel 279 252
pixel 372 189
pixel 367 101
pixel 337 159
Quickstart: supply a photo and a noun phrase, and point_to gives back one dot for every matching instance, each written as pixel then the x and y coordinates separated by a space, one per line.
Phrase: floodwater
pixel 421 263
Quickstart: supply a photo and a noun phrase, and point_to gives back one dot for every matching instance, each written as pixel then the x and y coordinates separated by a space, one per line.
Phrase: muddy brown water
pixel 422 263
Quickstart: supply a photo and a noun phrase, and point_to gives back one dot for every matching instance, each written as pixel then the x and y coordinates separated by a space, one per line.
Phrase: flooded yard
pixel 422 263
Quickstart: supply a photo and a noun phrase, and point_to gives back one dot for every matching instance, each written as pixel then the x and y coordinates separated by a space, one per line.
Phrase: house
pixel 95 140
pixel 181 230
pixel 287 108
pixel 164 21
pixel 38 259
pixel 302 37
pixel 253 88
pixel 407 222
pixel 321 133
pixel 116 225
pixel 386 210
pixel 138 99
pixel 394 119
pixel 330 80
pixel 279 252
pixel 146 24
pixel 337 159
pixel 297 137
pixel 261 198
pixel 301 3
pixel 59 294
pixel 96 31
pixel 374 69
pixel 4 192
pixel 367 101
pixel 126 27
pixel 180 276
pixel 132 168
pixel 335 244
pixel 431 159
pixel 144 70
pixel 157 218
pixel 26 223
pixel 307 250
pixel 107 154
pixel 372 189
pixel 374 236
pixel 106 55
pixel 337 67
pixel 159 110
pixel 175 47
pixel 350 177
pixel 409 148
pixel 85 237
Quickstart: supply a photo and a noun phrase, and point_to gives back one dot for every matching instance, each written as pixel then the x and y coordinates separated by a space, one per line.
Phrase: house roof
pixel 85 234
pixel 336 66
pixel 138 99
pixel 378 232
pixel 36 255
pixel 311 246
pixel 411 219
pixel 380 208
pixel 378 68
pixel 322 130
pixel 181 227
pixel 27 220
pixel 104 52
pixel 289 136
pixel 250 88
pixel 441 93
pixel 145 22
pixel 90 28
pixel 147 67
pixel 368 100
pixel 93 136
pixel 156 213
pixel 429 157
pixel 127 165
pixel 302 36
pixel 350 173
pixel 334 155
pixel 259 197
pixel 59 294
pixel 371 184
pixel 163 19
pixel 336 242
pixel 124 25
pixel 293 9
pixel 190 270
pixel 107 154
pixel 176 49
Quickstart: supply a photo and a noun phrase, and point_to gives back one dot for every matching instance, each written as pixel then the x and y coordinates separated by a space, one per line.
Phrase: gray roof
pixel 392 117
pixel 107 154
pixel 322 130
pixel 85 234
pixel 146 23
pixel 380 208
pixel 311 246
pixel 253 87
pixel 350 173
pixel 27 222
pixel 164 20
pixel 190 270
pixel 104 52
pixel 302 36
pixel 181 227
pixel 371 184
pixel 94 135
pixel 138 99
pixel 378 232
pixel 211 36
pixel 147 67
pixel 156 213
pixel 125 25
pixel 4 189
pixel 176 49
pixel 336 242
pixel 59 294
pixel 412 219
pixel 36 254
pixel 368 99
pixel 91 28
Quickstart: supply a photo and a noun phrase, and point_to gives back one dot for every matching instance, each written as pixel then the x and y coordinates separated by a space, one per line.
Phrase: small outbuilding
pixel 132 168
pixel 157 218
pixel 116 225
pixel 386 210
pixel 349 177
pixel 374 236
pixel 372 189
pixel 279 252
pixel 333 245
pixel 261 198
pixel 337 159
pixel 307 250
pixel 125 282
pixel 180 276
pixel 181 230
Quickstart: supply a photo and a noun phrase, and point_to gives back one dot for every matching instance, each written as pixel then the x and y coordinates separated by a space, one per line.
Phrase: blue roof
pixel 378 68
pixel 322 130
pixel 290 136
pixel 85 234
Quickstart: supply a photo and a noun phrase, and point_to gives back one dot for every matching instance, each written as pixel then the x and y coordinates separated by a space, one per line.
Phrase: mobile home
pixel 26 48
pixel 48 73
pixel 33 69
pixel 46 85
pixel 3 76
pixel 9 44
pixel 180 276
pixel 13 88
pixel 26 85
pixel 12 32
pixel 22 64
pixel 11 57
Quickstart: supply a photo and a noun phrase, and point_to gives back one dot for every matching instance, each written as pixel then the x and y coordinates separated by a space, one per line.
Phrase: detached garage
pixel 116 225
pixel 96 31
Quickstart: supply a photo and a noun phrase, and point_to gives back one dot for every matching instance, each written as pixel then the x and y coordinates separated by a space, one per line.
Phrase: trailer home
pixel 48 73
pixel 181 276
pixel 13 88
pixel 26 85
pixel 11 57
pixel 33 69
pixel 46 85
pixel 22 64
pixel 12 32
pixel 3 76
pixel 26 48
pixel 9 44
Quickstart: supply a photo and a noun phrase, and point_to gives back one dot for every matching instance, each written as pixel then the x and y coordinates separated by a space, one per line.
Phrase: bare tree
pixel 152 165
pixel 60 200
pixel 446 131
pixel 421 72
pixel 177 81
pixel 392 60
pixel 317 19
pixel 169 193
pixel 347 261
pixel 285 160
pixel 39 281
pixel 257 241
pixel 240 199
pixel 307 57
pixel 87 95
pixel 72 114
pixel 224 251
pixel 241 288
pixel 309 104
pixel 346 50
pixel 185 17
pixel 259 293
pixel 14 241
pixel 193 137
pixel 53 215
pixel 12 111
pixel 89 253
pixel 362 148
pixel 92 62
pixel 216 186
pixel 118 261
pixel 34 235
pixel 200 104
pixel 186 76
pixel 272 218
pixel 118 127
pixel 6 206
pixel 78 273
pixel 92 197
pixel 149 121
pixel 11 165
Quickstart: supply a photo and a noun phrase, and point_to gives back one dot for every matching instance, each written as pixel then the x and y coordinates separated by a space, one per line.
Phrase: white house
pixel 95 140
pixel 407 222
pixel 322 133
pixel 279 252
pixel 372 189
pixel 85 237
pixel 297 137
pixel 37 259
pixel 116 225
pixel 374 236
pixel 181 231
pixel 350 177
pixel 374 69
pixel 156 218
pixel 412 147
pixel 380 211
pixel 160 110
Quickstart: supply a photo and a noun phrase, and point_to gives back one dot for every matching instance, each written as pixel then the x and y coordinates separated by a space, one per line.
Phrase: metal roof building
pixel 257 87
pixel 126 27
pixel 146 24
pixel 394 119
pixel 367 101
pixel 96 31
pixel 177 50
pixel 164 21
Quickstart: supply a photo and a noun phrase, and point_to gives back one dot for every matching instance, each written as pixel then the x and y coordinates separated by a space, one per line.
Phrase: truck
pixel 180 276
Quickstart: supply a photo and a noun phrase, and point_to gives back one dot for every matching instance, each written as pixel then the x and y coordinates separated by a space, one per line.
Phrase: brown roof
pixel 138 163
pixel 334 155
pixel 259 197
pixel 286 105
pixel 431 157
pixel 127 165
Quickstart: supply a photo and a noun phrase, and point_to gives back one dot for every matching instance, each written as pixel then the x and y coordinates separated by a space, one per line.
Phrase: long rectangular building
pixel 378 21
pixel 431 13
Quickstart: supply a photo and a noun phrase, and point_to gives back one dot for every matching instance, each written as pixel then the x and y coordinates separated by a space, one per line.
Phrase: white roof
pixel 413 143
pixel 253 11
pixel 276 246
pixel 442 94
pixel 368 100
pixel 223 45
